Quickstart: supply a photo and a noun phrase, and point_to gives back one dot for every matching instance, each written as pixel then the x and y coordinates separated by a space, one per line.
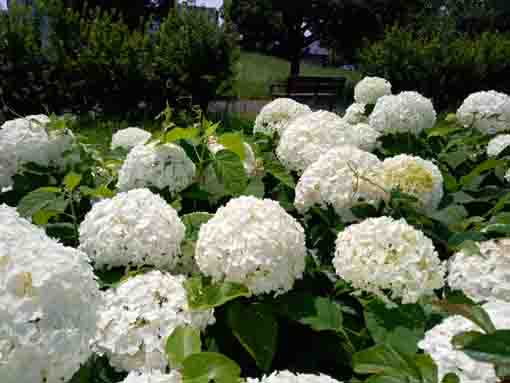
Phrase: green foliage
pixel 446 68
pixel 183 342
pixel 206 367
pixel 202 294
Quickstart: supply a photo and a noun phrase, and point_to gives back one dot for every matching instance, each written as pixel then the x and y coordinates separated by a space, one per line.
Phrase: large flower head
pixel 370 89
pixel 153 377
pixel 438 343
pixel 139 315
pixel 28 140
pixel 406 112
pixel 276 116
pixel 382 254
pixel 484 277
pixel 134 228
pixel 129 138
pixel 290 377
pixel 488 112
pixel 498 144
pixel 8 165
pixel 355 114
pixel 415 176
pixel 48 302
pixel 311 135
pixel 163 166
pixel 340 178
pixel 254 242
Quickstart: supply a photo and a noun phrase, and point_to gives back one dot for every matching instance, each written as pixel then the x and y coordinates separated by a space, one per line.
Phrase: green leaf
pixel 317 312
pixel 499 205
pixel 37 200
pixel 455 159
pixel 183 342
pixel 177 134
pixel 426 367
pixel 443 130
pixel 207 367
pixel 234 143
pixel 193 222
pixel 277 170
pixel 458 304
pixel 462 339
pixel 458 238
pixel 490 348
pixel 382 359
pixel 483 167
pixel 101 191
pixel 42 217
pixel 401 327
pixel 211 128
pixel 450 215
pixel 450 378
pixel 255 188
pixel 230 171
pixel 498 228
pixel 260 344
pixel 72 180
pixel 203 295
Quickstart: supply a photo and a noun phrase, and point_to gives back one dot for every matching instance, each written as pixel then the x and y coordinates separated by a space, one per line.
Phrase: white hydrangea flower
pixel 484 277
pixel 254 242
pixel 355 114
pixel 153 377
pixel 309 136
pixel 134 228
pixel 338 178
pixel 48 298
pixel 290 377
pixel 249 161
pixel 139 315
pixel 402 113
pixel 385 254
pixel 163 166
pixel 275 116
pixel 437 343
pixel 29 141
pixel 415 176
pixel 489 112
pixel 8 165
pixel 498 144
pixel 129 138
pixel 370 89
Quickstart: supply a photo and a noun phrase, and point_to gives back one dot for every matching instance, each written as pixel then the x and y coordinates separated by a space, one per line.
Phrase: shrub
pixel 443 67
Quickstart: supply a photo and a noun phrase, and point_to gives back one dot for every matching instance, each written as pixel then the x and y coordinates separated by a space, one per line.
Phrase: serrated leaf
pixel 450 215
pixel 382 359
pixel 72 180
pixel 277 170
pixel 317 312
pixel 230 171
pixel 36 200
pixel 207 367
pixel 177 134
pixel 490 348
pixel 183 342
pixel 498 228
pixel 203 295
pixel 211 129
pixel 450 378
pixel 260 344
pixel 234 143
pixel 483 167
pixel 193 222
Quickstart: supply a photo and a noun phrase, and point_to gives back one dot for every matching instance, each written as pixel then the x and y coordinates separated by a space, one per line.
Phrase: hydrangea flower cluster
pixel 310 136
pixel 355 114
pixel 290 377
pixel 488 112
pixel 339 178
pixel 415 176
pixel 406 112
pixel 129 138
pixel 49 299
pixel 153 377
pixel 254 242
pixel 164 166
pixel 249 162
pixel 485 277
pixel 27 140
pixel 385 254
pixel 437 343
pixel 498 144
pixel 139 315
pixel 8 165
pixel 133 228
pixel 370 89
pixel 276 116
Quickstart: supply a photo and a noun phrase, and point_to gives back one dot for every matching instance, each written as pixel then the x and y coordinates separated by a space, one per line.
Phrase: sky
pixel 3 4
pixel 207 3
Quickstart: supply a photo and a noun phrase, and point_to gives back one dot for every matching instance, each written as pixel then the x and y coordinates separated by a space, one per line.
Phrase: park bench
pixel 306 88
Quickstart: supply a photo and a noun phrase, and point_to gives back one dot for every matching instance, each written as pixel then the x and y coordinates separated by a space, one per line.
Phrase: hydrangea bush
pixel 371 247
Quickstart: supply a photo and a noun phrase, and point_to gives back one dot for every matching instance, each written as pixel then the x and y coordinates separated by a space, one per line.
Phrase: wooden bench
pixel 307 87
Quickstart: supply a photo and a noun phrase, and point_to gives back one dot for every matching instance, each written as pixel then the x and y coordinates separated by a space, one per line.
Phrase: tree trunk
pixel 295 65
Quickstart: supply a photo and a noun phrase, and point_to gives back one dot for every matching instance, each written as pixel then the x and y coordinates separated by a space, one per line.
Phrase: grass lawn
pixel 257 71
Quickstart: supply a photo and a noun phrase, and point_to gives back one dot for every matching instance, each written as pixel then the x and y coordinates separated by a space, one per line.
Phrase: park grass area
pixel 257 71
